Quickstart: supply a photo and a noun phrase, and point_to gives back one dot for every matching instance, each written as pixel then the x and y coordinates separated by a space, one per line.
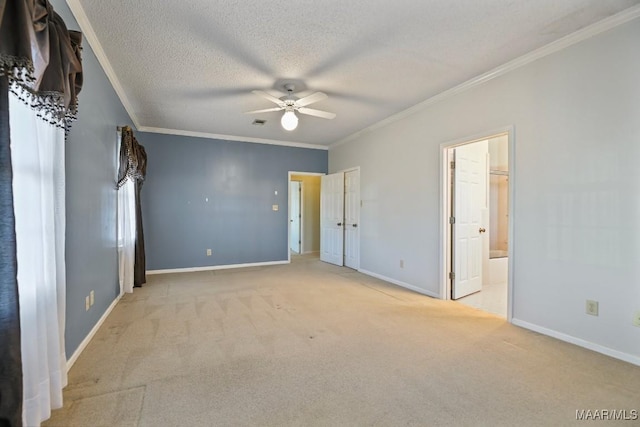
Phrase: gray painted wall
pixel 210 194
pixel 91 256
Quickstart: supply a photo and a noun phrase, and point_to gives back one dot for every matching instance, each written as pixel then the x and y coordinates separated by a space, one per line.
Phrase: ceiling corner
pixel 90 35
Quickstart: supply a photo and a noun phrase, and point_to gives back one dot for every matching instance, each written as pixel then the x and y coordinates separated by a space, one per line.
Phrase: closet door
pixel 332 218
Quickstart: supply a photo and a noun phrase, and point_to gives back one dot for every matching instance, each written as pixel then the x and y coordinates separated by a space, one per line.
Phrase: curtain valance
pixel 133 158
pixel 41 59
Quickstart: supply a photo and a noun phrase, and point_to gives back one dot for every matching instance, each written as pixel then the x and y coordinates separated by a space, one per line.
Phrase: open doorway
pixel 476 206
pixel 304 214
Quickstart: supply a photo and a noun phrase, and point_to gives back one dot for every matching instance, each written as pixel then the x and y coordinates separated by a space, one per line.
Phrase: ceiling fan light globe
pixel 289 120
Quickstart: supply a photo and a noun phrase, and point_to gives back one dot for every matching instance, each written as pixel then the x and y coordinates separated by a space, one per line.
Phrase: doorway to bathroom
pixel 304 214
pixel 476 222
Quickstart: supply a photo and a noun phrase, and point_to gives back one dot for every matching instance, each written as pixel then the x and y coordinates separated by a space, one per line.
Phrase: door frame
pixel 301 210
pixel 445 209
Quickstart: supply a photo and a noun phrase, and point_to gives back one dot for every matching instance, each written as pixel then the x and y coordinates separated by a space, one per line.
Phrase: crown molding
pixel 230 137
pixel 96 46
pixel 553 47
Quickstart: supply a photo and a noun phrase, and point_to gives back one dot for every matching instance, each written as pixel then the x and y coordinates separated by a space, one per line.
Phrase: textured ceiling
pixel 190 66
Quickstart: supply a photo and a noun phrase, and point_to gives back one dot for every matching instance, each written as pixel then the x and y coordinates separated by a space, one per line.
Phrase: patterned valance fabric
pixel 133 158
pixel 41 59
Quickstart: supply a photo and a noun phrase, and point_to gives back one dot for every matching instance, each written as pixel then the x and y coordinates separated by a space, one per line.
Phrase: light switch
pixel 274 207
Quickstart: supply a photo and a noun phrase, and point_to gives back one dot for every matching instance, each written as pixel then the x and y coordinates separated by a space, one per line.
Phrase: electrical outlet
pixel 592 307
pixel 636 319
pixel 92 297
pixel 274 207
pixel 208 252
pixel 401 263
pixel 87 303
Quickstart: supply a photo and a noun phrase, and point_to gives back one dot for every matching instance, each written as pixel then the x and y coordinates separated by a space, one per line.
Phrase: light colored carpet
pixel 313 344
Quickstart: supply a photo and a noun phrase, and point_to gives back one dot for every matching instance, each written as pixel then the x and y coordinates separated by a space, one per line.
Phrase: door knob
pixel 482 230
pixel 355 225
pixel 339 224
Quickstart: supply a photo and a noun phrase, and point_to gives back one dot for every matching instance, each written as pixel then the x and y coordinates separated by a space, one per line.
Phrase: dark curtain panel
pixel 40 63
pixel 10 353
pixel 140 264
pixel 133 165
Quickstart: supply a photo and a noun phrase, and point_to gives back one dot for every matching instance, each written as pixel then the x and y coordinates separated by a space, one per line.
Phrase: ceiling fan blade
pixel 314 97
pixel 269 97
pixel 317 113
pixel 266 110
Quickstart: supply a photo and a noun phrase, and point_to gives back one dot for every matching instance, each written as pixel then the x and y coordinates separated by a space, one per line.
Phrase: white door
pixel 469 200
pixel 352 219
pixel 295 216
pixel 332 218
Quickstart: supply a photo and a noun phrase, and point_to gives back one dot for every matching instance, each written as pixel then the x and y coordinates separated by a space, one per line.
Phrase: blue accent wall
pixel 211 194
pixel 91 255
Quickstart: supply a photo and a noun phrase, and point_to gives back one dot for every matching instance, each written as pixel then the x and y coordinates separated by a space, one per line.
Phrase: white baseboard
pixel 90 335
pixel 635 360
pixel 310 252
pixel 216 267
pixel 399 283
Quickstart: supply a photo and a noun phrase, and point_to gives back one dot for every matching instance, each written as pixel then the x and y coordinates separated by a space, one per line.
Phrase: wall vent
pixel 259 122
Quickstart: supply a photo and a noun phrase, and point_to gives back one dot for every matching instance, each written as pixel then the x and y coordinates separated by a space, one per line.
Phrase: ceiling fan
pixel 290 104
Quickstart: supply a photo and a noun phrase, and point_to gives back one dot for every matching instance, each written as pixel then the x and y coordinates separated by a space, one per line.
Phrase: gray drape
pixel 39 62
pixel 10 354
pixel 133 166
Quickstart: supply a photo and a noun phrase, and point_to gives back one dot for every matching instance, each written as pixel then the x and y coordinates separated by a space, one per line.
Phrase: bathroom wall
pixel 499 153
pixel 498 196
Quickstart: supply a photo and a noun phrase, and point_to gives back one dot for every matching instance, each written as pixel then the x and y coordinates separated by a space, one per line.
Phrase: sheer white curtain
pixel 126 232
pixel 37 154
